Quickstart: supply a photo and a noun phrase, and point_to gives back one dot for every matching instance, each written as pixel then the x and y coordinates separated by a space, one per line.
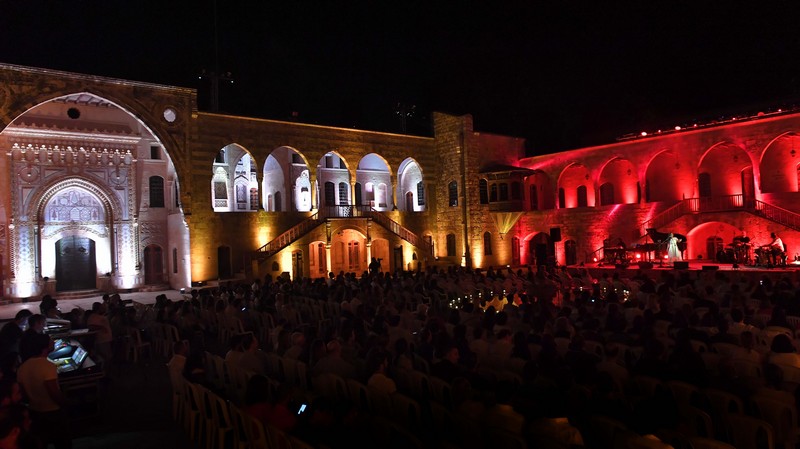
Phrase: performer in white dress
pixel 673 253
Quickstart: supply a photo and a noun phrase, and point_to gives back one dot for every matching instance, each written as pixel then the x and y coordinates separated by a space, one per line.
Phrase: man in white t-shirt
pixel 38 378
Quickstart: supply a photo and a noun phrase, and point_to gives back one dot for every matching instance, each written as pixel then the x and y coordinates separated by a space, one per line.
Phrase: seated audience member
pixel 252 358
pixel 10 429
pixel 782 352
pixel 39 380
pixel 256 399
pixel 334 363
pixel 377 364
pixel 235 350
pixel 49 307
pixel 11 333
pixel 195 369
pixel 447 368
pixel 98 322
pixel 298 346
pixel 178 361
pixel 280 415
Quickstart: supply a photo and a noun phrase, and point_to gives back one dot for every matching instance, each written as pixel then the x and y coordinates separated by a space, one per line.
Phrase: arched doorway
pixel 153 265
pixel 76 268
pixel 541 250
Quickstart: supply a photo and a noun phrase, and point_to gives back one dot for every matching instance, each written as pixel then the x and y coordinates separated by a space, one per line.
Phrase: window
pixel 254 198
pixel 487 244
pixel 174 260
pixel 515 191
pixel 583 199
pixel 515 256
pixel 451 245
pixel 177 195
pixel 330 194
pixel 503 192
pixel 220 159
pixel 359 201
pixel 155 152
pixel 296 159
pixel 157 191
pixel 562 201
pixel 354 255
pixel 343 197
pixel 493 193
pixel 483 188
pixel 322 259
pixel 606 194
pixel 452 190
pixel 534 199
pixel 420 194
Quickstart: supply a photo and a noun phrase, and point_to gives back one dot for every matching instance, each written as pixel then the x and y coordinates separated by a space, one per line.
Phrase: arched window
pixel 503 192
pixel 330 194
pixel 562 198
pixel 452 191
pixel 278 202
pixel 483 190
pixel 493 193
pixel 487 244
pixel 359 201
pixel 344 199
pixel 451 245
pixel 516 193
pixel 534 197
pixel 704 185
pixel 606 194
pixel 583 200
pixel 156 191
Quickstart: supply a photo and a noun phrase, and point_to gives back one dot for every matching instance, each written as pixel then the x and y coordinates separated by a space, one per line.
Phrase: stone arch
pixel 726 164
pixel 668 178
pixel 540 183
pixel 572 177
pixel 333 168
pixel 622 175
pixel 348 249
pixel 698 237
pixel 286 171
pixel 373 172
pixel 778 164
pixel 239 168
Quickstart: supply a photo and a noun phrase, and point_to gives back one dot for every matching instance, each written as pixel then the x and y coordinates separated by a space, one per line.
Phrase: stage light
pixel 644 134
pixel 677 128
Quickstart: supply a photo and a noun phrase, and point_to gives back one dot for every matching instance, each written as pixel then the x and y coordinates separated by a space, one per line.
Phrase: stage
pixel 654 269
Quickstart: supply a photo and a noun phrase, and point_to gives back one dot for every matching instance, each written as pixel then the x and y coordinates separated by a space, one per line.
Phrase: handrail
pixel 694 206
pixel 289 236
pixel 329 212
pixel 777 214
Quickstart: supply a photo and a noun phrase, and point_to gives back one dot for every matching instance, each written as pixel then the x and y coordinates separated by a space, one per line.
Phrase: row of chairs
pixel 207 417
pixel 712 413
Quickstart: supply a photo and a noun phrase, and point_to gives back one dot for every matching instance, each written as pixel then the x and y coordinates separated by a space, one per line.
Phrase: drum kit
pixel 738 252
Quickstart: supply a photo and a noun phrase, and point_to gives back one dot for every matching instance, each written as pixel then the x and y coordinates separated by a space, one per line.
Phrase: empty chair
pixel 405 410
pixel 249 432
pixel 708 443
pixel 750 433
pixel 359 395
pixel 698 422
pixel 442 391
pixel 222 430
pixel 782 416
pixel 723 402
pixel 685 394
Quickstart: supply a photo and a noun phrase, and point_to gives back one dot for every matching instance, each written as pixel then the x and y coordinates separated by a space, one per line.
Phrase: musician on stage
pixel 775 249
pixel 673 252
pixel 741 248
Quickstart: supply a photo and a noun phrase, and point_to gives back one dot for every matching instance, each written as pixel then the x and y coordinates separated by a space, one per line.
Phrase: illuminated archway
pixel 668 178
pixel 286 175
pixel 778 166
pixel 622 180
pixel 700 235
pixel 727 166
pixel 410 186
pixel 374 174
pixel 332 169
pixel 572 178
pixel 92 163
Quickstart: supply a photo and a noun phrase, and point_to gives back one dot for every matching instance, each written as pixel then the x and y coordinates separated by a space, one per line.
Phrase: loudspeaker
pixel 555 234
pixel 681 265
pixel 646 265
pixel 710 267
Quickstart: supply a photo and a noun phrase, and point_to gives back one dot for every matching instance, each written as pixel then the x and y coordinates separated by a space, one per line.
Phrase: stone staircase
pixel 343 213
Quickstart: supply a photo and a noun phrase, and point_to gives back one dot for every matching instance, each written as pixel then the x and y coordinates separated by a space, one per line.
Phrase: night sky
pixel 562 74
